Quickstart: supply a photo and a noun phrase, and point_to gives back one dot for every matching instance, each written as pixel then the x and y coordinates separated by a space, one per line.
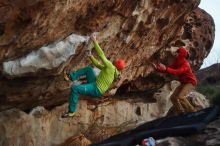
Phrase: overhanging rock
pixel 140 32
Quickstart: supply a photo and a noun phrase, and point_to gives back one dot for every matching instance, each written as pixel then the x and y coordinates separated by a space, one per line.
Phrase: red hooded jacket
pixel 182 69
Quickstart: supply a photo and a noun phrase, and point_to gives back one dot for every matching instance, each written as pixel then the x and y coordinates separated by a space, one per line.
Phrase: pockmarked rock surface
pixel 39 38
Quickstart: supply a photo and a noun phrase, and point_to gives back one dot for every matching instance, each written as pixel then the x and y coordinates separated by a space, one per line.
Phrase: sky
pixel 213 8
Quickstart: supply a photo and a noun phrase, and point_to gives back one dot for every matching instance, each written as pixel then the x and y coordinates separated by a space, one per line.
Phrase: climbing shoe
pixel 66 76
pixel 76 82
pixel 68 114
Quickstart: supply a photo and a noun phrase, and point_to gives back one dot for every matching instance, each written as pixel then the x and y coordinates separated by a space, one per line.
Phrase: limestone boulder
pixel 41 127
pixel 39 38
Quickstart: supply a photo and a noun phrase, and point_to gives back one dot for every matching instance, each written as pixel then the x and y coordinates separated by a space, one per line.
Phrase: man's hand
pixel 93 37
pixel 161 67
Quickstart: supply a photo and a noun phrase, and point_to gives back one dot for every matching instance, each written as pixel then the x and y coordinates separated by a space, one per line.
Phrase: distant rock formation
pixel 209 75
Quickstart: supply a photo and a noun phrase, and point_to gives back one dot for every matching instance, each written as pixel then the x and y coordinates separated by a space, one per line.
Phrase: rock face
pixel 95 120
pixel 41 127
pixel 36 44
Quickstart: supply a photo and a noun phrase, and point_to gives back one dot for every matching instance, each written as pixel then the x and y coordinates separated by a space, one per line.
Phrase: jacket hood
pixel 182 52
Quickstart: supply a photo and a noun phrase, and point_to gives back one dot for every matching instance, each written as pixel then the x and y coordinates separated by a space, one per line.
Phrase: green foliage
pixel 216 98
pixel 210 91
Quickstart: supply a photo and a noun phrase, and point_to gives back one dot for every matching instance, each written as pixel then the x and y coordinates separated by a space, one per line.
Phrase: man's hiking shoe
pixel 66 76
pixel 68 114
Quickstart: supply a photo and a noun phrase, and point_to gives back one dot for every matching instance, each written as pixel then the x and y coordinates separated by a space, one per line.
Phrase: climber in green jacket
pixel 95 86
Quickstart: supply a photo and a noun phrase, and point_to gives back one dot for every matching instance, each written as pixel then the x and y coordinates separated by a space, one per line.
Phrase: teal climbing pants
pixel 89 89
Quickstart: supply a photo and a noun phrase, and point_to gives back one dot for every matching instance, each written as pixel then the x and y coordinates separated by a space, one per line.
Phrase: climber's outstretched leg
pixel 89 89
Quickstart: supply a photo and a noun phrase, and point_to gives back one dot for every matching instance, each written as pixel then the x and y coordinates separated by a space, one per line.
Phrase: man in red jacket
pixel 182 69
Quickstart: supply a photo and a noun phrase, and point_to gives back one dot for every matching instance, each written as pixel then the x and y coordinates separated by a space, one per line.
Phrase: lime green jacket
pixel 108 70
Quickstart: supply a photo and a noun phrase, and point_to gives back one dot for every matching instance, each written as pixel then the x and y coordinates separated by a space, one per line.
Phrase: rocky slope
pixel 209 75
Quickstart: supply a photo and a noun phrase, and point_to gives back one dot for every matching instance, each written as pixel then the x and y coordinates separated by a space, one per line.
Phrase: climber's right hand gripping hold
pixel 159 67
